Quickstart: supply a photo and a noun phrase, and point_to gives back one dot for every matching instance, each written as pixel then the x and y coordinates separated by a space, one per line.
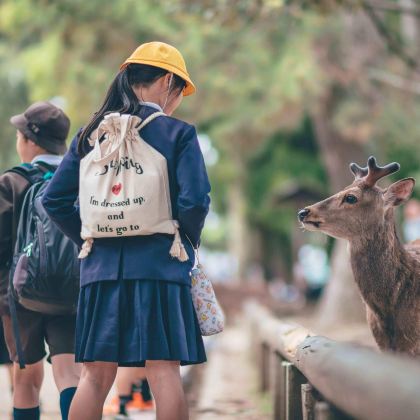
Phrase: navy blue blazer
pixel 140 257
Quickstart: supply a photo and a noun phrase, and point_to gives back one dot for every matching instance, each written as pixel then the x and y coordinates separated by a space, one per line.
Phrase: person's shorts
pixel 4 354
pixel 35 329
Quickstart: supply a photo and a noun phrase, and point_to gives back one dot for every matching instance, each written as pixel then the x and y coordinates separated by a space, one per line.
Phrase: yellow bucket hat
pixel 164 56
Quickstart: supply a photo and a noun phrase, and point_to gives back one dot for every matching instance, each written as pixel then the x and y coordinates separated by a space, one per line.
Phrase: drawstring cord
pixel 169 91
pixel 197 257
pixel 86 248
pixel 178 248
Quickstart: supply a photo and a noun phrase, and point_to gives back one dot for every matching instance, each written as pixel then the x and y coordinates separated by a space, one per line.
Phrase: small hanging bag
pixel 209 312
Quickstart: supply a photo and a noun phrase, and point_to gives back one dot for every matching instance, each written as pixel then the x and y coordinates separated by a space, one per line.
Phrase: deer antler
pixel 372 173
pixel 358 171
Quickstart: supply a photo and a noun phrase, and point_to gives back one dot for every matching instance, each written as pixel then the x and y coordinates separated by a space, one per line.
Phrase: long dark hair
pixel 121 97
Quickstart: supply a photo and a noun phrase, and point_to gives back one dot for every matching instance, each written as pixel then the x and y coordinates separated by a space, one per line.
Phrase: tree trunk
pixel 238 239
pixel 341 302
pixel 409 28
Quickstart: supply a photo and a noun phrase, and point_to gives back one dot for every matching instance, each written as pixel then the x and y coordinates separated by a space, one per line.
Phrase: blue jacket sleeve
pixel 194 187
pixel 60 197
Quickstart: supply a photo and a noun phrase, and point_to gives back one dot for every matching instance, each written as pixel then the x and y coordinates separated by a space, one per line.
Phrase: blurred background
pixel 289 93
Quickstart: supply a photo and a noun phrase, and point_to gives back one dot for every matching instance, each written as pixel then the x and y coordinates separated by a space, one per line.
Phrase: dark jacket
pixel 13 188
pixel 140 257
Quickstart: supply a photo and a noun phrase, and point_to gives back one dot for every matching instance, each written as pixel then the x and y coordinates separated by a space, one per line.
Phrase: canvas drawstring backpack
pixel 124 186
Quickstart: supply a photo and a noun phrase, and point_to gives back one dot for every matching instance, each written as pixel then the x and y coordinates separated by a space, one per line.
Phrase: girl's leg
pixel 165 381
pixel 95 383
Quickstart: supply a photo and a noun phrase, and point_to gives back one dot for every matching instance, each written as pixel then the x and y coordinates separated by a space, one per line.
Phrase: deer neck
pixel 375 259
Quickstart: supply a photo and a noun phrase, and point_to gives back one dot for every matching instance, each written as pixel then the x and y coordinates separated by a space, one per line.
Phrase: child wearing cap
pixel 135 305
pixel 41 138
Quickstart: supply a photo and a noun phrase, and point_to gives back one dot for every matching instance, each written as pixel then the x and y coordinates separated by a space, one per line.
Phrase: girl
pixel 135 306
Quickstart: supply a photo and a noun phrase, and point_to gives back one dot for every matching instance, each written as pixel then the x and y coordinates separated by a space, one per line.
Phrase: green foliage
pixel 398 136
pixel 287 159
pixel 13 99
pixel 262 70
pixel 286 156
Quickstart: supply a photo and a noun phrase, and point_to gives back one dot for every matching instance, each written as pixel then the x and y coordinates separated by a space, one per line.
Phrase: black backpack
pixel 44 275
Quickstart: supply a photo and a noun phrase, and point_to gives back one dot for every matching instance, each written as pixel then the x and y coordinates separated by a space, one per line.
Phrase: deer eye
pixel 350 198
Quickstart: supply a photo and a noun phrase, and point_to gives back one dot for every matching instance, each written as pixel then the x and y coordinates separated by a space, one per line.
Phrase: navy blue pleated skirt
pixel 131 321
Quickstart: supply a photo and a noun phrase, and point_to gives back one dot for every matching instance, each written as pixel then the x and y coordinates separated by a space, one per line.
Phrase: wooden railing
pixel 313 377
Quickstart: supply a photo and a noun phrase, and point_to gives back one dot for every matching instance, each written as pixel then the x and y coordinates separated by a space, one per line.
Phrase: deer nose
pixel 302 214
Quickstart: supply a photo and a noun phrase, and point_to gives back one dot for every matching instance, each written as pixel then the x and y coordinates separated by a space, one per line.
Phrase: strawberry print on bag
pixel 116 189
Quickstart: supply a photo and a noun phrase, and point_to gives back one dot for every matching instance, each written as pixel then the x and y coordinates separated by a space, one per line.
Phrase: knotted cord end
pixel 86 248
pixel 178 249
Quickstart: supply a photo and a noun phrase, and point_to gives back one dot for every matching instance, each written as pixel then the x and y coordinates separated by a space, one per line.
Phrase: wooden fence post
pixel 264 367
pixel 294 381
pixel 325 411
pixel 279 387
pixel 339 372
pixel 308 402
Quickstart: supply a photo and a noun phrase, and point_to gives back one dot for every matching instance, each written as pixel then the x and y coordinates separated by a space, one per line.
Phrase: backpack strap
pixel 177 249
pixel 15 328
pixel 34 173
pixel 45 167
pixel 150 118
pixel 30 172
pixel 47 170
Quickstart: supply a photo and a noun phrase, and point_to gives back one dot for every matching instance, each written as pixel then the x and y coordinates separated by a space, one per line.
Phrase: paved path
pixel 229 385
pixel 49 399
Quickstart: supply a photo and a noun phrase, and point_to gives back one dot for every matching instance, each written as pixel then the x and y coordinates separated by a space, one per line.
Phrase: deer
pixel 386 271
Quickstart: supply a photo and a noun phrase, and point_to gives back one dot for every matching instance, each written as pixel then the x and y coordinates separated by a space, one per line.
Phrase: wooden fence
pixel 314 378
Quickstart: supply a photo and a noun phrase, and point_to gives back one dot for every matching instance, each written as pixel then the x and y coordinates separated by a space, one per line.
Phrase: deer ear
pixel 399 192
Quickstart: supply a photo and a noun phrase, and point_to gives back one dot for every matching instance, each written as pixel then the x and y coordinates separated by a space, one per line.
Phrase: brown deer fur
pixel 387 272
